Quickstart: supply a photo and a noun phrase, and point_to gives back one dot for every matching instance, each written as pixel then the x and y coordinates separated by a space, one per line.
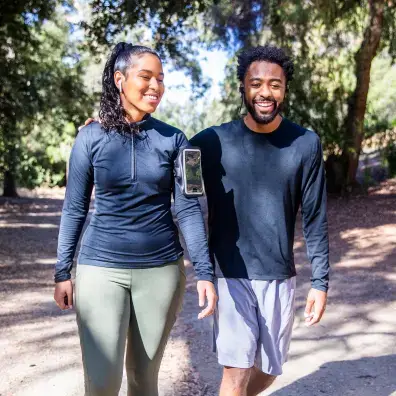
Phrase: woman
pixel 130 275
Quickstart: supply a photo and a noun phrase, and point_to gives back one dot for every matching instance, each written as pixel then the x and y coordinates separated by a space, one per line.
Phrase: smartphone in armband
pixel 188 172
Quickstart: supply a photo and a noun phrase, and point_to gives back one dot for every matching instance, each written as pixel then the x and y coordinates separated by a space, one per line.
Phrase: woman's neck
pixel 132 113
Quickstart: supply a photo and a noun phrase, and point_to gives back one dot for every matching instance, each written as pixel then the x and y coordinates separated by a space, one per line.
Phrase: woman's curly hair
pixel 112 114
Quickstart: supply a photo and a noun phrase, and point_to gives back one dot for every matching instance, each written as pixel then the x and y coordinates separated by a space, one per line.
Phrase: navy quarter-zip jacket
pixel 132 224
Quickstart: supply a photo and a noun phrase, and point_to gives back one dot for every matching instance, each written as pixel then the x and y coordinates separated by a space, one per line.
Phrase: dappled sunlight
pixel 39 339
pixel 26 225
pixel 366 251
pixel 363 376
pixel 62 376
pixel 49 261
pixel 39 347
pixel 5 215
pixel 360 320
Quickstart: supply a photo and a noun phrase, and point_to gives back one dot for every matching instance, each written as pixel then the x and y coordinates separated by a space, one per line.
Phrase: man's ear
pixel 242 90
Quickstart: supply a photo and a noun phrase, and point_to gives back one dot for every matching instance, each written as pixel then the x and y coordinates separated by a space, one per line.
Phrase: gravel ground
pixel 352 351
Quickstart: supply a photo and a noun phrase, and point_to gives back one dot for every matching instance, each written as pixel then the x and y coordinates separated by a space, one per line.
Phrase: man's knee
pixel 263 376
pixel 259 381
pixel 237 378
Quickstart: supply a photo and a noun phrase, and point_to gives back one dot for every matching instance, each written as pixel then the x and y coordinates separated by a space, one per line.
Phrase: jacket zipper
pixel 133 159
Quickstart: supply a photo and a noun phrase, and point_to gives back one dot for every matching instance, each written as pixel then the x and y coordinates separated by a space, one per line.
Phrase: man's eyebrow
pixel 273 79
pixel 149 71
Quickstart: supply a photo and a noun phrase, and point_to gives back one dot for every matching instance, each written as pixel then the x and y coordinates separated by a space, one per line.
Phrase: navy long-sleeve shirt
pixel 132 224
pixel 255 184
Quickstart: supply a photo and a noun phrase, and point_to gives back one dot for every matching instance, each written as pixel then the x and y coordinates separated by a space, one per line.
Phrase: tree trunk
pixel 10 161
pixel 9 185
pixel 358 100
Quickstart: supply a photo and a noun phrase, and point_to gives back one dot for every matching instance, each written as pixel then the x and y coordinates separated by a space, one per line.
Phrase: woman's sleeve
pixel 76 203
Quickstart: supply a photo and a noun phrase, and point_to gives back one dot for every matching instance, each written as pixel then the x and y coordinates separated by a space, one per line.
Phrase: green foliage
pixel 48 135
pixel 17 56
pixel 323 38
pixel 44 71
pixel 381 108
pixel 189 117
pixel 170 25
pixel 41 91
pixel 45 151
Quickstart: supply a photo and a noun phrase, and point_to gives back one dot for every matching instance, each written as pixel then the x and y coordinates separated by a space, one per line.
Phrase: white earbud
pixel 120 86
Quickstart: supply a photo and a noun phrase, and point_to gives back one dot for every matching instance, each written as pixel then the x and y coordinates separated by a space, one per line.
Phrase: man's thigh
pixel 275 318
pixel 236 328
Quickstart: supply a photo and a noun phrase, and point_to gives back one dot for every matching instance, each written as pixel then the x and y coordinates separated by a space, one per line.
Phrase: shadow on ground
pixel 363 256
pixel 363 282
pixel 364 377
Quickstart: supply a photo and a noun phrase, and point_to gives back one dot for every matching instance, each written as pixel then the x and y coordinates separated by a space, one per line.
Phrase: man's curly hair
pixel 265 53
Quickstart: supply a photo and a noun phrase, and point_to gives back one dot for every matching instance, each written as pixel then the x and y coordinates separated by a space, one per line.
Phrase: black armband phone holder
pixel 188 172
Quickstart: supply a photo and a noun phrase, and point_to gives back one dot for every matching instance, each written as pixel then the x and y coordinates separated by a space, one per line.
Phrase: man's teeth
pixel 264 104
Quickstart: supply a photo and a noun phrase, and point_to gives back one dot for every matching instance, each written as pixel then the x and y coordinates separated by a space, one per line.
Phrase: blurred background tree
pixel 50 64
pixel 334 45
pixel 41 91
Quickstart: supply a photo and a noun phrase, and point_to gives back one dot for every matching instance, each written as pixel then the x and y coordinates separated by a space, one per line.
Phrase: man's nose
pixel 265 91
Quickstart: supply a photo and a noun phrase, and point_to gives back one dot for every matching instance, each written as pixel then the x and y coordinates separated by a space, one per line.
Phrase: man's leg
pixel 258 382
pixel 235 381
pixel 244 382
pixel 237 332
pixel 275 317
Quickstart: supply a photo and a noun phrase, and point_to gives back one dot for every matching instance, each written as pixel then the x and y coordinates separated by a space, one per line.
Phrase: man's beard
pixel 263 118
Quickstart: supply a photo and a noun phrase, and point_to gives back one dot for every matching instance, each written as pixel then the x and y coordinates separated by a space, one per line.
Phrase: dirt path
pixel 352 352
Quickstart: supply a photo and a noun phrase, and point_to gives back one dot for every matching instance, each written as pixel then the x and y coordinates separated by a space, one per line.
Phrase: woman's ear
pixel 118 80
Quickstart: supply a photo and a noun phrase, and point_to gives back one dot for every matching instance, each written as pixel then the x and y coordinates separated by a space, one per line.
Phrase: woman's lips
pixel 152 98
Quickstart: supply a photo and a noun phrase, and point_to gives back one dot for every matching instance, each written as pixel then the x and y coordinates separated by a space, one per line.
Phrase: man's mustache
pixel 262 99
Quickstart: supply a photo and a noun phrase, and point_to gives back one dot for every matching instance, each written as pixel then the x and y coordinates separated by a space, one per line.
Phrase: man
pixel 258 171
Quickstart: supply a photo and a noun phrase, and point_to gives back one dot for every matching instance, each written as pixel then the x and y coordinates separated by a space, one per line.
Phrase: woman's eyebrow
pixel 149 71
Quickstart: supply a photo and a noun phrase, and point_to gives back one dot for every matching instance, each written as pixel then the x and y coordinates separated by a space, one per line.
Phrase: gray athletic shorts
pixel 253 323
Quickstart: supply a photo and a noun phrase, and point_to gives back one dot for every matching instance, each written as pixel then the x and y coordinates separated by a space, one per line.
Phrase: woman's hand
pixel 87 122
pixel 206 289
pixel 63 294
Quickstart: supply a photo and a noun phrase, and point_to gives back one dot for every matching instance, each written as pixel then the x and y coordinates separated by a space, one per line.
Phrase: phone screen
pixel 193 172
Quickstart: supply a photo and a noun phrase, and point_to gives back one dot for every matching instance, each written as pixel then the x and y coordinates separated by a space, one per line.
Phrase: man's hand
pixel 87 122
pixel 206 289
pixel 316 305
pixel 63 294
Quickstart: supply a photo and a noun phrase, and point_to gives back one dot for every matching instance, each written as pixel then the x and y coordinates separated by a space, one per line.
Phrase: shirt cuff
pixel 320 285
pixel 206 277
pixel 61 277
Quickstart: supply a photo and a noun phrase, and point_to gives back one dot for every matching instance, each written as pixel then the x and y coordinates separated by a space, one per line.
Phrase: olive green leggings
pixel 114 305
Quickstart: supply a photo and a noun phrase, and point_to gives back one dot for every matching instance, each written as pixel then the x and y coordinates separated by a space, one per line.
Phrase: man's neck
pixel 262 128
